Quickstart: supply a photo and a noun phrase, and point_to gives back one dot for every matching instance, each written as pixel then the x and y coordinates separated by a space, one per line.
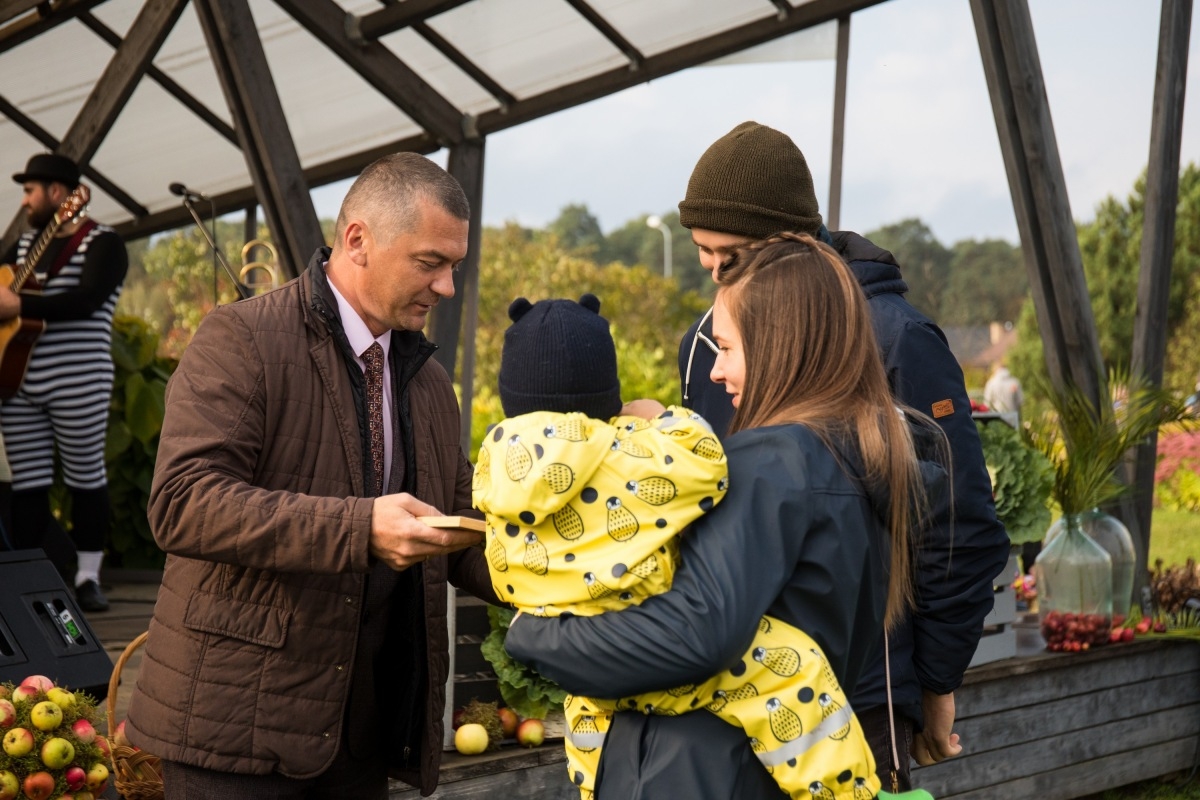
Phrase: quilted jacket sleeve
pixel 204 503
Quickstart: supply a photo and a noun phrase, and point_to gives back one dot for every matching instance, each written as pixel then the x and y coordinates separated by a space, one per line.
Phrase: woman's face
pixel 730 366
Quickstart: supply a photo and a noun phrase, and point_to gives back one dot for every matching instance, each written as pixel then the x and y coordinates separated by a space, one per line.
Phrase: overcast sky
pixel 920 135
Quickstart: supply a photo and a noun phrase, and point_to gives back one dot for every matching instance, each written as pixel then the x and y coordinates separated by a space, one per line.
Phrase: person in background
pixel 1002 392
pixel 753 183
pixel 299 645
pixel 824 490
pixel 61 406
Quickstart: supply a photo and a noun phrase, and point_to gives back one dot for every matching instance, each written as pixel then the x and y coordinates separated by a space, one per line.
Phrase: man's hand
pixel 10 303
pixel 400 540
pixel 936 742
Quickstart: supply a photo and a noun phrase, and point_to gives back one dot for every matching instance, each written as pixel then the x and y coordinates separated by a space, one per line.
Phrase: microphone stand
pixel 242 291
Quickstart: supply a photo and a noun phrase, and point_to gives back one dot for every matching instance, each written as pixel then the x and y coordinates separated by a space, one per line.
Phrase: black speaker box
pixel 43 632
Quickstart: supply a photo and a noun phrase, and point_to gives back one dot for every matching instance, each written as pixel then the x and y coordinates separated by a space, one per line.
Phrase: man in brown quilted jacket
pixel 299 643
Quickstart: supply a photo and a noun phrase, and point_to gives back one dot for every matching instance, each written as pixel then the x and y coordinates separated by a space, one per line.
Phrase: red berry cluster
pixel 1067 632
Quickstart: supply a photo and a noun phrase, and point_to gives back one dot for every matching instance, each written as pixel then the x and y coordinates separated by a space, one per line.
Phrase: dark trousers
pixel 346 777
pixel 879 738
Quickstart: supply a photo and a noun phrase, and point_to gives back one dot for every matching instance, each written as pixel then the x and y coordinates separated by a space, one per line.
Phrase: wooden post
pixel 1048 240
pixel 262 129
pixel 1158 247
pixel 833 214
pixel 461 312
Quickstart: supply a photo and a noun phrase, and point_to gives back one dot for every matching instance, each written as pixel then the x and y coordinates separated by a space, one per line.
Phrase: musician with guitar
pixel 56 369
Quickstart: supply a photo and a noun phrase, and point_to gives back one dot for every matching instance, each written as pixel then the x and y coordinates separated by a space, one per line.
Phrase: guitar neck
pixel 35 253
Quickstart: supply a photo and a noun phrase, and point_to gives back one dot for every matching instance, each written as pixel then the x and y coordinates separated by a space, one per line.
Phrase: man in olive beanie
pixel 753 183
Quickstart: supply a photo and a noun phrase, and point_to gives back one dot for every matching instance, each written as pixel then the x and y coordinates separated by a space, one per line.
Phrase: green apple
pixel 18 742
pixel 57 752
pixel 9 785
pixel 97 776
pixel 471 739
pixel 46 715
pixel 65 699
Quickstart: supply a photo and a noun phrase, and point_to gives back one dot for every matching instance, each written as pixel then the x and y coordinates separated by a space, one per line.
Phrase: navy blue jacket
pixel 933 649
pixel 799 537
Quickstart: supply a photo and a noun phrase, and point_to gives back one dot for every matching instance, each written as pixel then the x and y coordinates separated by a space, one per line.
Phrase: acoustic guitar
pixel 19 334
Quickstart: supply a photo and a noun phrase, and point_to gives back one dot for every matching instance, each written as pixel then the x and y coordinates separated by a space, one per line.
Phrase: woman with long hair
pixel 824 489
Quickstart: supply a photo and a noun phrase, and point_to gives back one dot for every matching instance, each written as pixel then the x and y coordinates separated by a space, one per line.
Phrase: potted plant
pixel 1085 444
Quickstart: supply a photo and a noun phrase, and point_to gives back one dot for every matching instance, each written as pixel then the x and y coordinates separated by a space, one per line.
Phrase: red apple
pixel 18 742
pixel 83 731
pixel 531 733
pixel 105 747
pixel 508 721
pixel 4 690
pixel 9 785
pixel 97 776
pixel 456 718
pixel 24 694
pixel 75 777
pixel 8 713
pixel 39 682
pixel 57 752
pixel 38 786
pixel 118 736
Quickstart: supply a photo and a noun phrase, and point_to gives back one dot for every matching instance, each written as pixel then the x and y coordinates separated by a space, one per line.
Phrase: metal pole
pixel 655 221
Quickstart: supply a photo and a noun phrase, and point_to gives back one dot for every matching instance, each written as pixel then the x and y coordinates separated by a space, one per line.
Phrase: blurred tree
pixel 924 263
pixel 987 283
pixel 579 232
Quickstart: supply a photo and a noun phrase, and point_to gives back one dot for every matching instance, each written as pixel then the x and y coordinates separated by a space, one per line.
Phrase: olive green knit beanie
pixel 754 182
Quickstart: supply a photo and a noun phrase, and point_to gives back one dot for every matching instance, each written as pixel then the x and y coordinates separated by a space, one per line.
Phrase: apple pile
pixel 481 726
pixel 50 747
pixel 1067 632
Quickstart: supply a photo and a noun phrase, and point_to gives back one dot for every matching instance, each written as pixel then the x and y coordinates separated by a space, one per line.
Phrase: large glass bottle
pixel 1075 590
pixel 1111 534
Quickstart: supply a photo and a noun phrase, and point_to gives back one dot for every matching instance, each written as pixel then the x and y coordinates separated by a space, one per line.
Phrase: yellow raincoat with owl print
pixel 582 516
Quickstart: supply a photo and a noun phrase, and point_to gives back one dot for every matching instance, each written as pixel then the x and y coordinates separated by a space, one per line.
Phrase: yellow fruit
pixel 471 739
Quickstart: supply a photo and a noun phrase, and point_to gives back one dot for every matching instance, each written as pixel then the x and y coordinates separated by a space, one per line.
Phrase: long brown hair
pixel 811 358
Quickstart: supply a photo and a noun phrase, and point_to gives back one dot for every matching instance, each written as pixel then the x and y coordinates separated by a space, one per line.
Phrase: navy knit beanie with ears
pixel 559 356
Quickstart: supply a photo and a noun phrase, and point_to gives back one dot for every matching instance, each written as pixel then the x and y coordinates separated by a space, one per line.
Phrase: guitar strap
pixel 65 254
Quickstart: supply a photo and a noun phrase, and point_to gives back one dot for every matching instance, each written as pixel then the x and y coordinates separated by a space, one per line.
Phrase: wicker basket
pixel 136 773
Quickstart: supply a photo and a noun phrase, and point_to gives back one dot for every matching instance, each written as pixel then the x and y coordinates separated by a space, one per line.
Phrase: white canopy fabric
pixel 528 48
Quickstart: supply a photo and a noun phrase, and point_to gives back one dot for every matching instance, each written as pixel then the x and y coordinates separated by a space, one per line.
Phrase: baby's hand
pixel 644 408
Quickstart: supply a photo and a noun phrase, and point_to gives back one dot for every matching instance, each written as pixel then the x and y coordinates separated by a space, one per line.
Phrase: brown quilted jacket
pixel 257 500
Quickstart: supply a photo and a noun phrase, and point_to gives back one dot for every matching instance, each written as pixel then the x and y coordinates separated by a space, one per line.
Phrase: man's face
pixel 404 278
pixel 729 367
pixel 716 247
pixel 39 202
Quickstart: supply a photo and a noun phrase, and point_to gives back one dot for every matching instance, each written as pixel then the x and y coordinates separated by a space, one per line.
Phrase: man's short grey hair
pixel 387 193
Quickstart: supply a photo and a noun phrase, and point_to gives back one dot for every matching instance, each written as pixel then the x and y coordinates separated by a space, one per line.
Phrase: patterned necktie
pixel 373 356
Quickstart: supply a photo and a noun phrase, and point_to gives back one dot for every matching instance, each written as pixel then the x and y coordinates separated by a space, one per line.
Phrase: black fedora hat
pixel 50 167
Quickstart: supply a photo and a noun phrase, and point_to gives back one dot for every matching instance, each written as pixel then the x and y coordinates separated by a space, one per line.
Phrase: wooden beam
pixel 50 143
pixel 22 30
pixel 379 67
pixel 502 95
pixel 241 66
pixel 1064 312
pixel 380 23
pixel 689 55
pixel 461 312
pixel 166 82
pixel 10 9
pixel 1158 246
pixel 597 21
pixel 833 215
pixel 114 87
pixel 237 199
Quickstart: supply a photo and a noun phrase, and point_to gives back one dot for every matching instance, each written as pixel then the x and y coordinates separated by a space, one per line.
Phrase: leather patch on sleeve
pixel 943 408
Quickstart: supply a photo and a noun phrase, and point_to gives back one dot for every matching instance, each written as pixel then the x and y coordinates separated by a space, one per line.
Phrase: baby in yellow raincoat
pixel 583 508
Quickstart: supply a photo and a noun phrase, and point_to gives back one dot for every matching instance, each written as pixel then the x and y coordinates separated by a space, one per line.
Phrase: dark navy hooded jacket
pixel 958 557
